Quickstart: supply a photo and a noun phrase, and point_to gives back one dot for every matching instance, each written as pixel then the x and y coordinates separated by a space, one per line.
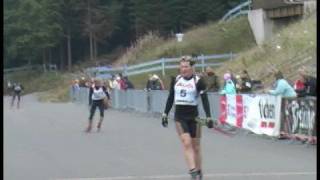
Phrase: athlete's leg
pixel 187 145
pixel 196 137
pixel 197 156
pixel 18 102
pixel 13 98
pixel 92 111
pixel 101 109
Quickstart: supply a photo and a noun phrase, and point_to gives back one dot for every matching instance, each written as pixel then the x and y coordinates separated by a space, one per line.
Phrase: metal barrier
pixel 241 9
pixel 299 117
pixel 145 101
pixel 159 65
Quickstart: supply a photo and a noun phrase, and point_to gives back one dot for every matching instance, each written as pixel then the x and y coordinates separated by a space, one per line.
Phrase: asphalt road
pixel 46 141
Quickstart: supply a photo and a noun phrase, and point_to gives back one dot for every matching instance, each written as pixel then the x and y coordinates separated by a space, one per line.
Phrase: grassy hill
pixel 51 86
pixel 292 47
pixel 213 38
pixel 289 49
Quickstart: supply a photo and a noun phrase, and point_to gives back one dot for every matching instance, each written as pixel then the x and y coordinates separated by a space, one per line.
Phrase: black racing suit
pixel 97 103
pixel 186 114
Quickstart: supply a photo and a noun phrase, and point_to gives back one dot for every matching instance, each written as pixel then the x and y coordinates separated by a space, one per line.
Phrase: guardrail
pixel 159 65
pixel 143 101
pixel 24 68
pixel 241 9
pixel 258 113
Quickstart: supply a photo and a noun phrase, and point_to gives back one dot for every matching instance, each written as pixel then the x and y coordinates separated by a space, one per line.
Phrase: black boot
pixel 199 174
pixel 194 174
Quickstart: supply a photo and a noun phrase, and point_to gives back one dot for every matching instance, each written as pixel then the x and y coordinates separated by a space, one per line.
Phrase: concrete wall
pixel 309 7
pixel 261 26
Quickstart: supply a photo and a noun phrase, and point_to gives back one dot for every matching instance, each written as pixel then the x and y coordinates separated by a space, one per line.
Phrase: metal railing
pixel 24 68
pixel 144 101
pixel 160 65
pixel 241 9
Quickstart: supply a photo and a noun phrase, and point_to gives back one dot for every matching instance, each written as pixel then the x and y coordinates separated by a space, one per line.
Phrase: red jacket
pixel 299 85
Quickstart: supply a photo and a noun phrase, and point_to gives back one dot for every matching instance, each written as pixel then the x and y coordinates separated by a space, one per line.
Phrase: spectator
pixel 9 87
pixel 148 85
pixel 282 87
pixel 155 83
pixel 114 82
pixel 121 83
pixel 310 82
pixel 92 82
pixel 246 84
pixel 299 86
pixel 128 83
pixel 211 80
pixel 106 84
pixel 233 78
pixel 229 87
pixel 82 82
pixel 239 84
pixel 75 89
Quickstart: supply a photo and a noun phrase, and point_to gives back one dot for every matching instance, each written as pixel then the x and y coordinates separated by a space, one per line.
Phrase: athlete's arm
pixel 201 87
pixel 90 95
pixel 170 97
pixel 105 91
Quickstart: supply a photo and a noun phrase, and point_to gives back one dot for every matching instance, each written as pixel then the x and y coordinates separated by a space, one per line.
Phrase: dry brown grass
pixel 213 38
pixel 297 44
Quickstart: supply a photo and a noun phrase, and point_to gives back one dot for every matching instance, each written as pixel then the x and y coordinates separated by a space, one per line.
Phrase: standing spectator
pixel 9 87
pixel 75 90
pixel 229 87
pixel 113 82
pixel 211 80
pixel 121 83
pixel 128 83
pixel 161 83
pixel 310 82
pixel 82 82
pixel 148 85
pixel 245 82
pixel 232 77
pixel 239 84
pixel 155 83
pixel 299 86
pixel 282 87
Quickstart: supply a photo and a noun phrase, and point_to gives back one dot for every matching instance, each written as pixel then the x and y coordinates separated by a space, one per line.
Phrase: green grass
pixel 214 38
pixel 297 44
pixel 54 86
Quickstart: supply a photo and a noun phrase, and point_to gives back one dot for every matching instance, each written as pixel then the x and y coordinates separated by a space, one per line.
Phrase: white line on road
pixel 206 175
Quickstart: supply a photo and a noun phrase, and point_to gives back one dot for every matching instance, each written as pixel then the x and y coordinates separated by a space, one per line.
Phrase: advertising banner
pixel 257 113
pixel 299 116
pixel 262 114
pixel 231 110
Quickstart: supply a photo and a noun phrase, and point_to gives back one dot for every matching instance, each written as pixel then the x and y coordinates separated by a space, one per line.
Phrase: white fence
pixel 160 65
pixel 241 9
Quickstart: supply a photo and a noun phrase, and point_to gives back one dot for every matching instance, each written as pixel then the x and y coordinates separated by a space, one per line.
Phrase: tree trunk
pixel 90 31
pixel 91 46
pixel 69 51
pixel 44 60
pixel 61 57
pixel 50 56
pixel 95 49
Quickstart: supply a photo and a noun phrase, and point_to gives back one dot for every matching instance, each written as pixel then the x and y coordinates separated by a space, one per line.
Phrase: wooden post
pixel 163 67
pixel 202 62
